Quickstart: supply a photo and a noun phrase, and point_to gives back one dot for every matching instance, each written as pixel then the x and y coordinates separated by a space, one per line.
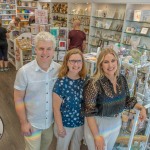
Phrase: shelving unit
pixel 46 6
pixel 7 11
pixel 59 14
pixel 23 10
pixel 106 24
pixel 11 49
pixel 132 34
pixel 16 56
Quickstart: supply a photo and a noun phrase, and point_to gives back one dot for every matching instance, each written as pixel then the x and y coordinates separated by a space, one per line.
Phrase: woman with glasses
pixel 67 98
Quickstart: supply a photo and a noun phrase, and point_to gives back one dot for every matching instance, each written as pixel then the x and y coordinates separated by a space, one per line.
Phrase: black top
pixel 3 38
pixel 101 100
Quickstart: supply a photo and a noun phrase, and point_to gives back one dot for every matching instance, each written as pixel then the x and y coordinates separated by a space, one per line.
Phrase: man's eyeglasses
pixel 75 61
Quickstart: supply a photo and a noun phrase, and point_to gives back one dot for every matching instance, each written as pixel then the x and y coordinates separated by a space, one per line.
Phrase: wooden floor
pixel 12 138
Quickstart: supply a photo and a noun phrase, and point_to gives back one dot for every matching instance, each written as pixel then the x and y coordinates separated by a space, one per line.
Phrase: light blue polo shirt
pixel 38 85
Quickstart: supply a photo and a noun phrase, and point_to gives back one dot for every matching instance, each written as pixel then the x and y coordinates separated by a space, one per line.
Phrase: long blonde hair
pixel 99 70
pixel 64 68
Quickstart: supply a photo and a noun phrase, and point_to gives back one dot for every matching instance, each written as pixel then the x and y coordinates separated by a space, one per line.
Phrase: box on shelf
pixel 137 15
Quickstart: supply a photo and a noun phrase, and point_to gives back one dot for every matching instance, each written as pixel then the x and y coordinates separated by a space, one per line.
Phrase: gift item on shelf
pixel 7 11
pixel 44 28
pixel 24 44
pixel 59 14
pixel 41 16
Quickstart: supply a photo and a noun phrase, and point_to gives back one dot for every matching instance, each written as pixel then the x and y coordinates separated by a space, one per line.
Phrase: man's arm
pixel 21 111
pixel 68 44
pixel 84 45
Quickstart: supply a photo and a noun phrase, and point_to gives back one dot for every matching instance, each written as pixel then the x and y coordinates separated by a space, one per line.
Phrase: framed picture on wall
pixel 144 30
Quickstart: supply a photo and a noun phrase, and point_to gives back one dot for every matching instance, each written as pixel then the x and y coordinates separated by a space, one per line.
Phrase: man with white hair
pixel 33 94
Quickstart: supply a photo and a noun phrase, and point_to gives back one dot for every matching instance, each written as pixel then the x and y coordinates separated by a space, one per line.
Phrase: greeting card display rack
pixel 60 33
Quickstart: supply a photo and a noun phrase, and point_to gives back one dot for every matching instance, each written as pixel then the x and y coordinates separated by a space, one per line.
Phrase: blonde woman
pixel 67 98
pixel 105 96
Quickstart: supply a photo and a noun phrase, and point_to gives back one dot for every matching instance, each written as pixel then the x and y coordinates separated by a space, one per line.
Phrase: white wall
pixel 102 1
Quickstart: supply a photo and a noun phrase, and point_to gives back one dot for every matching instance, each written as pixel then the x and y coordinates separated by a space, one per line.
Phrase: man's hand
pixel 26 129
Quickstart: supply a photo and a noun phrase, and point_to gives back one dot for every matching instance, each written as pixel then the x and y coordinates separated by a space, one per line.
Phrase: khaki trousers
pixel 73 135
pixel 40 139
pixel 109 128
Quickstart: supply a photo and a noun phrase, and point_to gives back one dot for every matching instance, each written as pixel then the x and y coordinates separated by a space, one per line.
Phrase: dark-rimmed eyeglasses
pixel 75 61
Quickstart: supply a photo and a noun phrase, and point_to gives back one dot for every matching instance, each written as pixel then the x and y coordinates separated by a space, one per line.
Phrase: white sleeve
pixel 21 80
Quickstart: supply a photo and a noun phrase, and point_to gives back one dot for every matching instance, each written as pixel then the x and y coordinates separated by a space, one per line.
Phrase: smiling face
pixel 44 53
pixel 109 65
pixel 75 64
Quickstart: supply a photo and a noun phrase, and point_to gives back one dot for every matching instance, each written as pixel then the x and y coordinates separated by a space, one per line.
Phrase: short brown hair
pixel 17 19
pixel 64 68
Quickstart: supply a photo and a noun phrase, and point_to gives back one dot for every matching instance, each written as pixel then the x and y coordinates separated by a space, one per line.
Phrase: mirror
pixel 1 128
